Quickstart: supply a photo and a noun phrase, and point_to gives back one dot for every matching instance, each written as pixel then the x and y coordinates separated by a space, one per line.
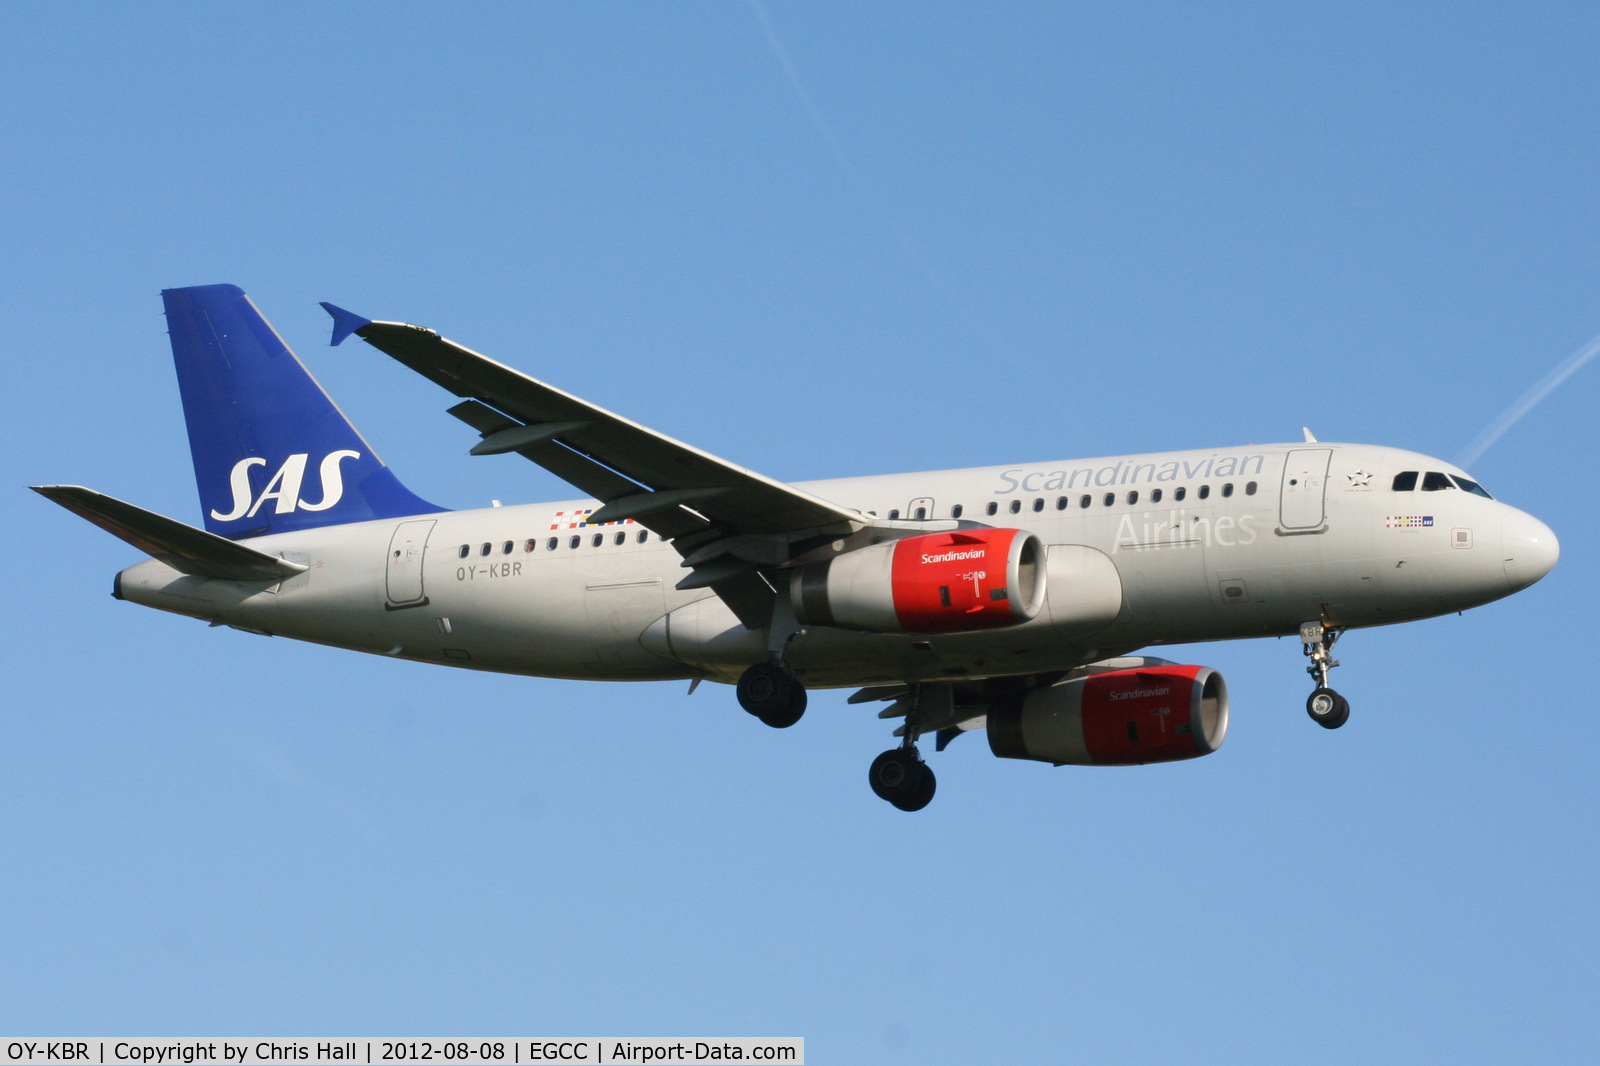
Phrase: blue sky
pixel 957 236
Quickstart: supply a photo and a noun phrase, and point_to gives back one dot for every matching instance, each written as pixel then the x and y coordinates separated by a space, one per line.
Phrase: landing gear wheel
pixel 1328 709
pixel 789 716
pixel 772 694
pixel 924 794
pixel 902 778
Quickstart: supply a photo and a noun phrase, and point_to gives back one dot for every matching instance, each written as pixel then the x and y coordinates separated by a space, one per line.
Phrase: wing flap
pixel 182 547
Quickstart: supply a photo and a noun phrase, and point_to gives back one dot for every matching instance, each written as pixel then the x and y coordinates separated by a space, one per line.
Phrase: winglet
pixel 344 323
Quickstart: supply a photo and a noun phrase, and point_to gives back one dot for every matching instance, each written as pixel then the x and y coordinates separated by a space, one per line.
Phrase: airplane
pixel 1009 599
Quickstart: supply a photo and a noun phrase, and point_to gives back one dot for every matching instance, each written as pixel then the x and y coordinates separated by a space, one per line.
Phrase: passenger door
pixel 1301 498
pixel 404 572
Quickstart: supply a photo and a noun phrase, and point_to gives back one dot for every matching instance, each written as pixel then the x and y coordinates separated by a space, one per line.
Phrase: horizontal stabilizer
pixel 184 548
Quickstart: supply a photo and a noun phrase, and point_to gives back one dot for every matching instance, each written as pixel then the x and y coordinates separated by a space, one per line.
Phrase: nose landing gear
pixel 1326 707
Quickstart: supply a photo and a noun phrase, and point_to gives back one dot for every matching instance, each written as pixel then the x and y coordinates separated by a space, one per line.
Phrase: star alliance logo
pixel 1360 479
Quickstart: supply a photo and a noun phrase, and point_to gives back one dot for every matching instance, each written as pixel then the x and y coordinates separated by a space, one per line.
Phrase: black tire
pixel 1327 708
pixel 772 694
pixel 797 707
pixel 897 776
pixel 924 794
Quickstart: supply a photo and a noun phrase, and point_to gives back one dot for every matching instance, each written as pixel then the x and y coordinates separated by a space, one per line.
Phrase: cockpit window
pixel 1433 481
pixel 1405 481
pixel 1469 485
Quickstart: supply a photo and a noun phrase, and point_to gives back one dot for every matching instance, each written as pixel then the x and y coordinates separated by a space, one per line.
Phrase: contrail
pixel 1530 399
pixel 907 245
pixel 805 96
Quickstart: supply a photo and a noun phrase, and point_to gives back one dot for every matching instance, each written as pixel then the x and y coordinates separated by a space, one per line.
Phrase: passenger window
pixel 1468 485
pixel 622 538
pixel 894 515
pixel 1227 490
pixel 1061 503
pixel 921 513
pixel 505 549
pixel 955 512
pixel 599 539
pixel 1038 505
pixel 1155 495
pixel 992 508
pixel 550 545
pixel 1205 491
pixel 1179 493
pixel 1433 481
pixel 1085 500
pixel 529 544
pixel 575 541
pixel 486 549
pixel 1133 497
pixel 1249 488
pixel 644 535
pixel 1405 481
pixel 466 550
pixel 1111 498
pixel 1016 506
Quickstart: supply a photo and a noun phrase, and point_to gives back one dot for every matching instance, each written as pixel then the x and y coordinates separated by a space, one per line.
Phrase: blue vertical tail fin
pixel 272 453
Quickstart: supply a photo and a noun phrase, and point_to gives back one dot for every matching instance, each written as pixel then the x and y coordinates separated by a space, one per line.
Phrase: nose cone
pixel 1528 547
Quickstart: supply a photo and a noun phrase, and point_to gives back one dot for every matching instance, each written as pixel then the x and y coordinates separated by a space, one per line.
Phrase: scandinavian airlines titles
pixel 1126 472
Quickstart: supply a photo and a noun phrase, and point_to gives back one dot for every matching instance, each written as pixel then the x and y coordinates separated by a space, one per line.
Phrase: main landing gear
pixel 769 690
pixel 1326 707
pixel 899 775
pixel 774 695
pixel 771 693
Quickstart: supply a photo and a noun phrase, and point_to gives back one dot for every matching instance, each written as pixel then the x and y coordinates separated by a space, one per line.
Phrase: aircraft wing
pixel 182 547
pixel 728 520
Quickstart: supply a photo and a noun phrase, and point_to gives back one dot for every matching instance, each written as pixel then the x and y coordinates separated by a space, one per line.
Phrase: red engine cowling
pixel 1120 718
pixel 933 583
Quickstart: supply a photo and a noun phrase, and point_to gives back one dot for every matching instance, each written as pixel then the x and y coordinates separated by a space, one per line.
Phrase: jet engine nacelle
pixel 932 583
pixel 1119 718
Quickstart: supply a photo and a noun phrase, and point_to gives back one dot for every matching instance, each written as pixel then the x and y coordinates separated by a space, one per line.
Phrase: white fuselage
pixel 1259 540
